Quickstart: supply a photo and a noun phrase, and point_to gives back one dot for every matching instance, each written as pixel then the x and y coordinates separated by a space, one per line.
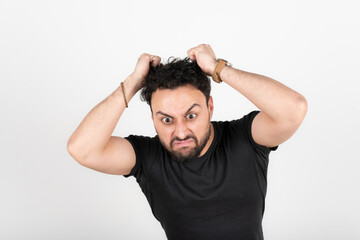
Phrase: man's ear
pixel 211 106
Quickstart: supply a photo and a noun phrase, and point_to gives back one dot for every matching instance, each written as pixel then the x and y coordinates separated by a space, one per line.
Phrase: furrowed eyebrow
pixel 160 112
pixel 167 115
pixel 194 105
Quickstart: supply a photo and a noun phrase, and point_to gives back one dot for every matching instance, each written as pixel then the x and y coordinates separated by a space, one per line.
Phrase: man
pixel 202 179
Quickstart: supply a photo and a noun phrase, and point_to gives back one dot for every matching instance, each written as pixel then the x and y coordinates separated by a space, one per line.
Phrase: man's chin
pixel 184 155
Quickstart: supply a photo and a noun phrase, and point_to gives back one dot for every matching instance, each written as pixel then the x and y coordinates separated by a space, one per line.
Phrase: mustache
pixel 184 139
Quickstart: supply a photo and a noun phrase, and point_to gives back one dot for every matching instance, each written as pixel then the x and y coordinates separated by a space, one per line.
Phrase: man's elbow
pixel 74 152
pixel 299 110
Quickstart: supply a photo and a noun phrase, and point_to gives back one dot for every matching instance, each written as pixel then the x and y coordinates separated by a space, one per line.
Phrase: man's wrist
pixel 220 64
pixel 131 85
pixel 224 73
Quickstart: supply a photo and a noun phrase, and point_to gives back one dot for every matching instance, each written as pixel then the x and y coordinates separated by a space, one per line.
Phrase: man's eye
pixel 191 116
pixel 166 120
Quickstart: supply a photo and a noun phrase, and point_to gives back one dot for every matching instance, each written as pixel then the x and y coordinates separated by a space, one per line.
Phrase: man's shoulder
pixel 141 141
pixel 240 127
pixel 142 137
pixel 245 118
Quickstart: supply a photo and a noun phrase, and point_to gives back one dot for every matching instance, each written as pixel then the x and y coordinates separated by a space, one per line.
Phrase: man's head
pixel 179 96
pixel 175 73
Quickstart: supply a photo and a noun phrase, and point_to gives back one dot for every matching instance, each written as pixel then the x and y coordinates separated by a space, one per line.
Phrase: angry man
pixel 203 179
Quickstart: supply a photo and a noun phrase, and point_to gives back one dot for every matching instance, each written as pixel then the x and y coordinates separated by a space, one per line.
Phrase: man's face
pixel 182 121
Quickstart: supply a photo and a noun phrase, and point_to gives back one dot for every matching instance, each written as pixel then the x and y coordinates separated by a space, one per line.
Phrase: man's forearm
pixel 278 101
pixel 95 130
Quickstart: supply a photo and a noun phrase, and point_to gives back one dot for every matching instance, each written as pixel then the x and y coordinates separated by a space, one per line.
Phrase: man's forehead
pixel 178 100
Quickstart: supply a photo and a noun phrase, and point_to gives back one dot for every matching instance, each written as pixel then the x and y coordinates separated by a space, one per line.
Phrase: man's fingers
pixel 192 54
pixel 155 60
pixel 202 48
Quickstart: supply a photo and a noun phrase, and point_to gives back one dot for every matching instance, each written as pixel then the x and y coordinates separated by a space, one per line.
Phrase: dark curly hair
pixel 175 73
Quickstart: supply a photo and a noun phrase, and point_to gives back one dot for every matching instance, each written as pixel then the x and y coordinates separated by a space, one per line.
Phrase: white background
pixel 58 59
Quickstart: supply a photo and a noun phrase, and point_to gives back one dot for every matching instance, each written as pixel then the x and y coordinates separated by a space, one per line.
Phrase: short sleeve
pixel 144 148
pixel 243 126
pixel 248 119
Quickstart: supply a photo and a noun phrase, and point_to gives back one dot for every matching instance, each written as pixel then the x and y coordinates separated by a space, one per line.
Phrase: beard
pixel 187 154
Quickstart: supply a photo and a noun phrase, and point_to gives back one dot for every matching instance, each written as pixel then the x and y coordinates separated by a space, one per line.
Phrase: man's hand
pixel 142 68
pixel 204 56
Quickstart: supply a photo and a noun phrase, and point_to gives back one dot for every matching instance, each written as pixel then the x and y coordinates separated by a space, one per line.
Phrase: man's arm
pixel 282 109
pixel 92 145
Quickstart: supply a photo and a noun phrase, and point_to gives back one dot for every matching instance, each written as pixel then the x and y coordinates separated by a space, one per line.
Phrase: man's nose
pixel 181 130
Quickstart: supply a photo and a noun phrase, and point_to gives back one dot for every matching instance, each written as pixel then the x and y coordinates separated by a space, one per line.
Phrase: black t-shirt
pixel 220 195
